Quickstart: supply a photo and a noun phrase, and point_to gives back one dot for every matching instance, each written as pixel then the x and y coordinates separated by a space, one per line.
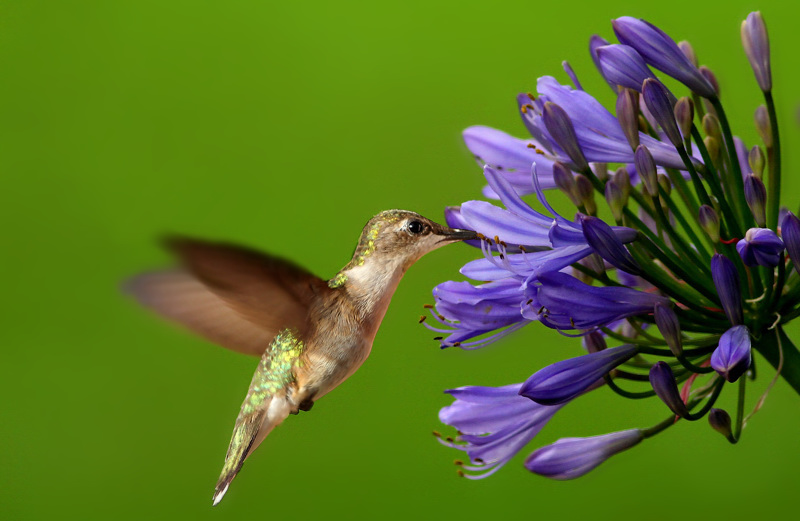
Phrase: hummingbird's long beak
pixel 454 234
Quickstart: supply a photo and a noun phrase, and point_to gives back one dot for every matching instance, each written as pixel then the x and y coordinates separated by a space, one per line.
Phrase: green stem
pixel 737 183
pixel 770 345
pixel 774 157
pixel 729 218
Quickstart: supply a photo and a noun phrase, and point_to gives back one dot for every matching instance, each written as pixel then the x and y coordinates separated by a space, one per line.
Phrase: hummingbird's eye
pixel 415 227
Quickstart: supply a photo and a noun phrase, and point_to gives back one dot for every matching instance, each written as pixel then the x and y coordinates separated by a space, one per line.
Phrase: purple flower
pixel 563 381
pixel 598 132
pixel 663 381
pixel 622 65
pixel 509 156
pixel 760 247
pixel 661 51
pixel 495 422
pixel 726 280
pixel 790 231
pixel 756 45
pixel 567 303
pixel 570 458
pixel 469 311
pixel 732 357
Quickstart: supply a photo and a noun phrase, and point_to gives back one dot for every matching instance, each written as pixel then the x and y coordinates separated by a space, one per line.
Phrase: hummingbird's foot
pixel 305 405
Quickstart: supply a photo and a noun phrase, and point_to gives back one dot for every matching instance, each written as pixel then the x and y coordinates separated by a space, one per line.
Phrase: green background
pixel 286 126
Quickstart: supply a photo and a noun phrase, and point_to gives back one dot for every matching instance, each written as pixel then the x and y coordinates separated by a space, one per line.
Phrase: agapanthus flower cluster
pixel 677 265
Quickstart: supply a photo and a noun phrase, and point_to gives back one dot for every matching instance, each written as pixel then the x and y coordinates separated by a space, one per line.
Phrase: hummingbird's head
pixel 399 238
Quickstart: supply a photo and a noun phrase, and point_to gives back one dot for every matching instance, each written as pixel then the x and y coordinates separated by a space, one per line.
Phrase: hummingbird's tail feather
pixel 249 432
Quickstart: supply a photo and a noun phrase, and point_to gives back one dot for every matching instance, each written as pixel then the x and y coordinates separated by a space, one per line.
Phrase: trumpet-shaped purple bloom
pixel 732 357
pixel 567 303
pixel 495 423
pixel 597 131
pixel 661 51
pixel 469 311
pixel 509 156
pixel 563 381
pixel 570 458
pixel 622 65
pixel 760 247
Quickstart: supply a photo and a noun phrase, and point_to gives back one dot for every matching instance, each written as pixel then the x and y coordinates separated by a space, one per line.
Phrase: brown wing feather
pixel 231 295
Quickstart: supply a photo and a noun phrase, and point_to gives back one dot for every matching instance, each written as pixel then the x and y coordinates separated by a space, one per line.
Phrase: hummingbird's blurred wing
pixel 231 295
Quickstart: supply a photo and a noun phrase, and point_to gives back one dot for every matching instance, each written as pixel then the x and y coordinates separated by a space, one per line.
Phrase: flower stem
pixel 774 157
pixel 737 183
pixel 767 345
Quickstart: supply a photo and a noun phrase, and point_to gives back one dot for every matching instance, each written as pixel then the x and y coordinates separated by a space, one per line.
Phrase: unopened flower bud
pixel 600 170
pixel 585 191
pixel 688 51
pixel 562 131
pixel 684 115
pixel 623 179
pixel 763 126
pixel 594 342
pixel 570 458
pixel 660 51
pixel 756 46
pixel 616 199
pixel 755 193
pixel 604 241
pixel 622 65
pixel 670 327
pixel 646 167
pixel 711 78
pixel 790 231
pixel 712 145
pixel 732 357
pixel 711 126
pixel 658 101
pixel 595 42
pixel 565 181
pixel 709 221
pixel 757 161
pixel 663 381
pixel 726 281
pixel 628 115
pixel 720 421
pixel 665 183
pixel 564 380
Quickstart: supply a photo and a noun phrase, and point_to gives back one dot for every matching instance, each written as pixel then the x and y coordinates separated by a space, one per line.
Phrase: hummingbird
pixel 310 334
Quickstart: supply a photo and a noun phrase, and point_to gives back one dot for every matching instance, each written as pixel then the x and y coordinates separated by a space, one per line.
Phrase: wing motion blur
pixel 232 295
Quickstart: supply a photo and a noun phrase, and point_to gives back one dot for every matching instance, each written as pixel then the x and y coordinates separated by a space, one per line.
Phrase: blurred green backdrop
pixel 286 126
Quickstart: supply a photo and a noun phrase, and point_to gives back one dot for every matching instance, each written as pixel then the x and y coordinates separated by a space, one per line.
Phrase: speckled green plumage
pixel 275 371
pixel 366 244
